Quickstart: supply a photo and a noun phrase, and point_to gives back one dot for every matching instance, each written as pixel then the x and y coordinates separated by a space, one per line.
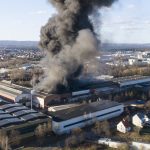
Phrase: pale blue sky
pixel 127 21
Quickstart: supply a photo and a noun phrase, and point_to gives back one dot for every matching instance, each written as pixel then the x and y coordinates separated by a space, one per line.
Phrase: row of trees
pixel 42 131
pixel 78 136
pixel 26 78
pixel 121 71
pixel 12 63
pixel 102 128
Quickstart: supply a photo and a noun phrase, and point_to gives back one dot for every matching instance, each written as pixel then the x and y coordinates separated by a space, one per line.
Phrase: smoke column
pixel 69 41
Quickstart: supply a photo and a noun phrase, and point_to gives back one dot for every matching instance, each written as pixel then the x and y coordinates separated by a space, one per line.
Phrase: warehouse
pixel 85 114
pixel 10 114
pixel 15 93
pixel 62 107
pixel 131 80
pixel 18 117
pixel 86 91
pixel 12 92
pixel 7 106
pixel 24 112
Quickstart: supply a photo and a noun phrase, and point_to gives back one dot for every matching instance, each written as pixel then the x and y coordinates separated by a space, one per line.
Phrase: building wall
pixel 121 127
pixel 27 129
pixel 112 144
pixel 137 121
pixel 86 119
pixel 21 96
pixel 133 82
pixel 38 102
pixel 139 145
pixel 9 96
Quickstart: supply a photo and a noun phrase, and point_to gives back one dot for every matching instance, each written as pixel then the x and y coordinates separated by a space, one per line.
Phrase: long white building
pixel 85 114
pixel 131 80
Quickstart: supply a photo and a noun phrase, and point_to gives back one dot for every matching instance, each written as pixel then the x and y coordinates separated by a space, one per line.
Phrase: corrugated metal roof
pixel 15 109
pixel 11 121
pixel 2 112
pixel 13 114
pixel 6 106
pixel 24 112
pixel 33 116
pixel 129 78
pixel 6 116
pixel 83 109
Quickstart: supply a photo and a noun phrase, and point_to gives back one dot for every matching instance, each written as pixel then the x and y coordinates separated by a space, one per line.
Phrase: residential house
pixel 139 119
pixel 124 126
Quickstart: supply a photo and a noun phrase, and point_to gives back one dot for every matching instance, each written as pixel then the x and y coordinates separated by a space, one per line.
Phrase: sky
pixel 127 21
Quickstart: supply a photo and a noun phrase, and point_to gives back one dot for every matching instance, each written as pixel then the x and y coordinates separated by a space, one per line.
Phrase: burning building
pixel 69 40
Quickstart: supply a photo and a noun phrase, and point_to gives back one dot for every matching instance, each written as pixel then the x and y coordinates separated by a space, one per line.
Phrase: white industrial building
pixel 13 92
pixel 131 80
pixel 85 114
pixel 140 145
pixel 16 93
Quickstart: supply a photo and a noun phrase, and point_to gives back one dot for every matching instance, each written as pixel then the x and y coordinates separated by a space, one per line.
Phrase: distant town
pixel 107 109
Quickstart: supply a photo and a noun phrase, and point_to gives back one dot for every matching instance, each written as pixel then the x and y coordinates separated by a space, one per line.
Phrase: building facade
pixel 83 115
pixel 139 120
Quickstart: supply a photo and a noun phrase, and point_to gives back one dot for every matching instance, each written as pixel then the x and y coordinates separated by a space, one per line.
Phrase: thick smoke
pixel 69 41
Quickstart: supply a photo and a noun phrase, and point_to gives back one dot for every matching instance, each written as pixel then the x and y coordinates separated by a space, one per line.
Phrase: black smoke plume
pixel 69 41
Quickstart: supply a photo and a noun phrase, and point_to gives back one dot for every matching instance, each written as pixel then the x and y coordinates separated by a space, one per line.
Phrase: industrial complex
pixel 15 93
pixel 65 111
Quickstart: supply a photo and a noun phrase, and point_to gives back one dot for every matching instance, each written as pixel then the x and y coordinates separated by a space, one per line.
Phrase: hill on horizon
pixel 105 46
pixel 6 43
pixel 121 46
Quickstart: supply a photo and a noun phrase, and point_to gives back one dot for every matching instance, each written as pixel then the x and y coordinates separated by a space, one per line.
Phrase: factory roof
pixel 5 116
pixel 2 112
pixel 24 112
pixel 62 107
pixel 9 89
pixel 82 109
pixel 33 116
pixel 15 109
pixel 11 121
pixel 130 78
pixel 14 114
pixel 6 106
pixel 13 88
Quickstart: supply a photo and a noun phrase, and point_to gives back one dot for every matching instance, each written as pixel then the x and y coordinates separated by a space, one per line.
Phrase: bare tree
pixel 79 134
pixel 39 131
pixel 3 140
pixel 14 137
pixel 102 127
pixel 76 138
pixel 76 131
pixel 147 105
pixel 106 127
pixel 49 126
pixel 71 141
pixel 98 128
pixel 137 130
pixel 124 147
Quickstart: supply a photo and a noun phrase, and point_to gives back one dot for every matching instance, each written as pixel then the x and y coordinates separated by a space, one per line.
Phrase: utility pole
pixel 32 93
